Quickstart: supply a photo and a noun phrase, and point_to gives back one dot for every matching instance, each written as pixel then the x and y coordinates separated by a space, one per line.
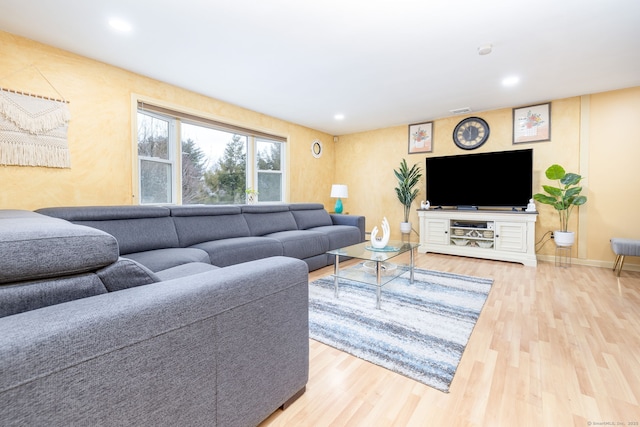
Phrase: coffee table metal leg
pixel 336 270
pixel 412 264
pixel 378 283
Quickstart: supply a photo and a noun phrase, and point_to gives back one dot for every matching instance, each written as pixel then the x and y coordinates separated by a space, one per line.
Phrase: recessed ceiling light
pixel 339 117
pixel 120 25
pixel 485 49
pixel 511 81
pixel 463 110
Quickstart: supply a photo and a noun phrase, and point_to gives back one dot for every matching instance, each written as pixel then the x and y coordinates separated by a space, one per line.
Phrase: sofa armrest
pixel 169 353
pixel 354 220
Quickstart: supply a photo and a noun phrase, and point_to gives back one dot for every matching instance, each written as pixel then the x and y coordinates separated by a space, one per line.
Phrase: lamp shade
pixel 340 191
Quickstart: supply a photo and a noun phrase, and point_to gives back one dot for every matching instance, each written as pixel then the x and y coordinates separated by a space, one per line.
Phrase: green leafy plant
pixel 252 195
pixel 407 180
pixel 565 196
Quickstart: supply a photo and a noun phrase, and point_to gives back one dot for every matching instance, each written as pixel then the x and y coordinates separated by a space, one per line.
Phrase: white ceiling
pixel 380 63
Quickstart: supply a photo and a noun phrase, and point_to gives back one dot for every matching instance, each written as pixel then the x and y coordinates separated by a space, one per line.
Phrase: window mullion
pixel 252 164
pixel 155 159
pixel 176 170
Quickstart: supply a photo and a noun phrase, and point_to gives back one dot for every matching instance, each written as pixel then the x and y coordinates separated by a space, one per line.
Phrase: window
pixel 156 158
pixel 218 162
pixel 269 170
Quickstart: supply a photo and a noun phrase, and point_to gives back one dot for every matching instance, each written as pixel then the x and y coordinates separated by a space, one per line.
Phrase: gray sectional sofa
pixel 164 237
pixel 157 316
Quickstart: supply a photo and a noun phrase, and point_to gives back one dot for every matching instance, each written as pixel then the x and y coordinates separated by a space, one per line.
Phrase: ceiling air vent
pixel 463 110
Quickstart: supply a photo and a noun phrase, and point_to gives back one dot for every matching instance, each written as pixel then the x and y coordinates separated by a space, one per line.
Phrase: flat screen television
pixel 485 180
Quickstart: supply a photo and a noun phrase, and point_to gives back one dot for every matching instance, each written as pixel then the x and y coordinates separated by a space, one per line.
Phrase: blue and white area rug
pixel 420 331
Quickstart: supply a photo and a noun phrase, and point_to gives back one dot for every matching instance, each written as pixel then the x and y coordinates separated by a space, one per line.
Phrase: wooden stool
pixel 622 248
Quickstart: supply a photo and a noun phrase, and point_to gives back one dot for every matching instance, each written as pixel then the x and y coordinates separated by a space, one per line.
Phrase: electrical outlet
pixel 552 234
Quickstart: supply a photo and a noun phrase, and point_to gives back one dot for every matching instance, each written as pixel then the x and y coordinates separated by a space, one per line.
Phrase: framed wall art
pixel 532 123
pixel 421 138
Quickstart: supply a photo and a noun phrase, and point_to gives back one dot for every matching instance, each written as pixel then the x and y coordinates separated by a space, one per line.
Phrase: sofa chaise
pixel 158 316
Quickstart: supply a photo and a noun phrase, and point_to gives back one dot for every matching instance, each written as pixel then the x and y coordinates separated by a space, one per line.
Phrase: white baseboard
pixel 591 262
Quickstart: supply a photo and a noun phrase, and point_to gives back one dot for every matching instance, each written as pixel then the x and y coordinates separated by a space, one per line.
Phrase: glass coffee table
pixel 377 270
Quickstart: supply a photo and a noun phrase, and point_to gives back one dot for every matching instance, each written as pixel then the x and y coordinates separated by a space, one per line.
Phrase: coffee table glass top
pixel 367 252
pixel 375 269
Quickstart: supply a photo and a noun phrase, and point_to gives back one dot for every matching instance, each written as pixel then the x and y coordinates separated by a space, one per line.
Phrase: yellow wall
pixel 592 135
pixel 589 135
pixel 100 135
pixel 614 171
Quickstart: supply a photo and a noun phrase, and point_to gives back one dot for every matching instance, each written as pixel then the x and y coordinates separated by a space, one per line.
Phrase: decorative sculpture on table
pixel 531 206
pixel 381 242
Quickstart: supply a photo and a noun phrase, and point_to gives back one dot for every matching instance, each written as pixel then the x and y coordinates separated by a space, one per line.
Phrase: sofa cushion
pixel 267 219
pixel 27 296
pixel 340 235
pixel 351 220
pixel 126 273
pixel 136 228
pixel 204 210
pixel 240 249
pixel 38 247
pixel 161 259
pixel 139 234
pixel 309 215
pixel 305 206
pixel 197 224
pixel 301 244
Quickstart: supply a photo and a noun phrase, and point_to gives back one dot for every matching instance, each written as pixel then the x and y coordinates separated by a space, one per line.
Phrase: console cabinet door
pixel 437 231
pixel 511 236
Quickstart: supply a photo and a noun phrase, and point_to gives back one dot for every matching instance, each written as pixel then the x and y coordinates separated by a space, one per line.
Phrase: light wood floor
pixel 553 347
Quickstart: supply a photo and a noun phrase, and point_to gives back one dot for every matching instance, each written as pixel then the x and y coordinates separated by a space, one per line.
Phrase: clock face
pixel 471 133
pixel 316 148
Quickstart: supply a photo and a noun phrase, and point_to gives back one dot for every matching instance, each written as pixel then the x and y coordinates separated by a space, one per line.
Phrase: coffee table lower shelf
pixel 375 274
pixel 358 274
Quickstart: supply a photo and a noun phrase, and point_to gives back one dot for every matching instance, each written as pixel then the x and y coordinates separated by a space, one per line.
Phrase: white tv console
pixel 489 234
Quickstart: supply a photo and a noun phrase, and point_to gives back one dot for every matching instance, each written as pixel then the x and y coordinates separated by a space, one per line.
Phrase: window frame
pixel 171 160
pixel 179 115
pixel 256 170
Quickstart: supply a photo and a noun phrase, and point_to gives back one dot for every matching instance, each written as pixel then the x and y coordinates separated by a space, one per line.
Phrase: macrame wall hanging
pixel 33 129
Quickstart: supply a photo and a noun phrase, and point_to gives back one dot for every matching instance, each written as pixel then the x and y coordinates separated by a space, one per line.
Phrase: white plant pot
pixel 252 199
pixel 405 227
pixel 564 238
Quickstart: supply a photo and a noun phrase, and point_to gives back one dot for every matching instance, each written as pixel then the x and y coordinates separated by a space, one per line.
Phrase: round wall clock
pixel 316 148
pixel 471 133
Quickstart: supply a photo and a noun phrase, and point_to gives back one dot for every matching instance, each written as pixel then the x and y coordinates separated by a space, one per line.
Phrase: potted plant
pixel 252 196
pixel 563 198
pixel 407 180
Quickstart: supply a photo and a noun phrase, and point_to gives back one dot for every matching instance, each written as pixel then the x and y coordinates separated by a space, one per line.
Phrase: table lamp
pixel 340 191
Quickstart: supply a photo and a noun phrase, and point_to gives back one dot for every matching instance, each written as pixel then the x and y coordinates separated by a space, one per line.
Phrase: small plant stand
pixel 563 256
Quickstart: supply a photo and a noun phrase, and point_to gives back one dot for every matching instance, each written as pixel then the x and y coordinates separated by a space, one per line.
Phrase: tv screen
pixel 501 179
